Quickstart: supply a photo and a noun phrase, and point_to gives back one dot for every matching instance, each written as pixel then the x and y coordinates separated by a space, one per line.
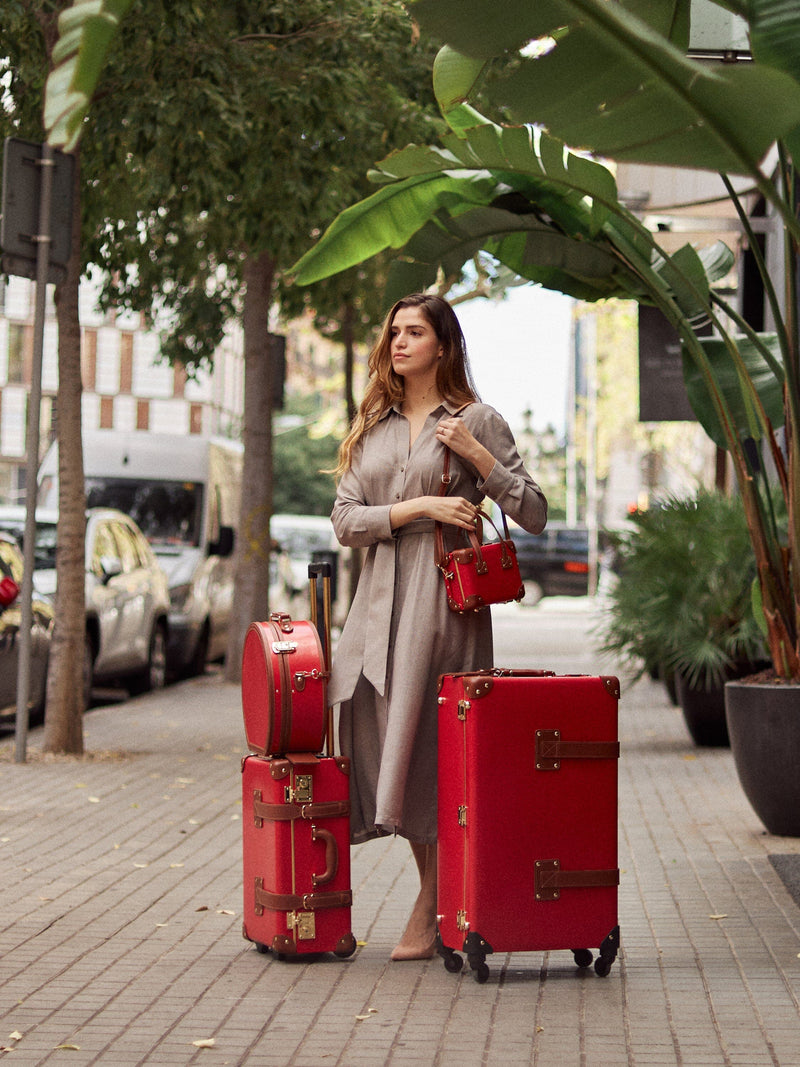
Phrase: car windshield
pixel 168 513
pixel 44 553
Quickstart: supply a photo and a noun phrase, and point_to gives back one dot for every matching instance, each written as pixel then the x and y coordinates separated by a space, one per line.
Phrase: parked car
pixel 11 565
pixel 554 562
pixel 183 492
pixel 127 597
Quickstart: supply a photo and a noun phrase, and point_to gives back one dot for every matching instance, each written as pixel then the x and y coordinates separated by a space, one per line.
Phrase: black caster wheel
pixel 453 963
pixel 583 957
pixel 481 972
pixel 346 947
pixel 263 949
pixel 602 967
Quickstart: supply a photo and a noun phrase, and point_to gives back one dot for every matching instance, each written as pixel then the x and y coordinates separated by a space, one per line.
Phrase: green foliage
pixel 300 487
pixel 682 600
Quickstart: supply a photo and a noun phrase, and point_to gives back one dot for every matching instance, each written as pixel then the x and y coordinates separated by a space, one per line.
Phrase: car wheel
pixel 88 670
pixel 533 593
pixel 154 676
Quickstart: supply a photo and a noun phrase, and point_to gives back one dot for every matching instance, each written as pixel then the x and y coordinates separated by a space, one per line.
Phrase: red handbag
pixel 481 574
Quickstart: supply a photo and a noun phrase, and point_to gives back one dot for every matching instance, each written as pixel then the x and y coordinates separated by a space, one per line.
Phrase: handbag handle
pixel 475 535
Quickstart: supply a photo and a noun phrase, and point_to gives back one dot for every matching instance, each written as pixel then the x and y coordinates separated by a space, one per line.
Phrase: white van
pixel 184 493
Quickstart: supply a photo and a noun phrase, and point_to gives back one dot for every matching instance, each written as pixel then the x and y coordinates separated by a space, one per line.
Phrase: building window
pixel 126 362
pixel 16 353
pixel 89 359
pixel 178 380
pixel 106 412
pixel 143 415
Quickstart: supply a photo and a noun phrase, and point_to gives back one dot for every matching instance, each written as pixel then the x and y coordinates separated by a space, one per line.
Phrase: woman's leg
pixel 418 941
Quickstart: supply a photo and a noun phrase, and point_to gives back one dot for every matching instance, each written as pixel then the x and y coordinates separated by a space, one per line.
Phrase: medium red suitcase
pixel 296 838
pixel 284 699
pixel 527 816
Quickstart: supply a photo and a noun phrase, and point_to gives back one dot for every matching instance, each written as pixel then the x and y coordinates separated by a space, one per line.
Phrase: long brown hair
pixel 385 386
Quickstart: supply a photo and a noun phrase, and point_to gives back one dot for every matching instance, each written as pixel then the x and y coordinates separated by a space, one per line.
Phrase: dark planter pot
pixel 703 712
pixel 764 727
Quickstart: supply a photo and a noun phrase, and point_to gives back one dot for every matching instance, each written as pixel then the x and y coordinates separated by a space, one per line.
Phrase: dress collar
pixel 448 406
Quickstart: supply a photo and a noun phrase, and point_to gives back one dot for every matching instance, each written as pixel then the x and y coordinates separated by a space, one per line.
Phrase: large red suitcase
pixel 527 816
pixel 296 837
pixel 284 699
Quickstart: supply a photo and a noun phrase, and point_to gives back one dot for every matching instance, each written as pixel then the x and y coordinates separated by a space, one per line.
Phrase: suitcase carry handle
pixel 331 856
pixel 323 570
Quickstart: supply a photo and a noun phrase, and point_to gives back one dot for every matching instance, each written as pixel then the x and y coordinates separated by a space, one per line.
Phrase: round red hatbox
pixel 284 687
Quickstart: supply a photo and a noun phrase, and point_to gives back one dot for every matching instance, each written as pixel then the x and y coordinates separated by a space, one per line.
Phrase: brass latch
pixel 462 814
pixel 303 791
pixel 304 924
pixel 284 648
pixel 461 921
pixel 463 708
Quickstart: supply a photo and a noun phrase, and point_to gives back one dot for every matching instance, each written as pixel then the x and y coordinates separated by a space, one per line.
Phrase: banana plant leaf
pixel 638 97
pixel 765 382
pixel 774 41
pixel 86 30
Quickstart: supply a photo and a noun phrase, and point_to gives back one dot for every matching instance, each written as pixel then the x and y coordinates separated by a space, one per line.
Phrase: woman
pixel 400 634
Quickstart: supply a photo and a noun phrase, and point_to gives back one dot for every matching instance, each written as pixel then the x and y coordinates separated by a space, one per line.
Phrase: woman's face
pixel 415 348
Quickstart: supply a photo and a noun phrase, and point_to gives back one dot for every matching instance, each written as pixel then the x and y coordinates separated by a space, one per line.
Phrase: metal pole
pixel 42 238
pixel 591 446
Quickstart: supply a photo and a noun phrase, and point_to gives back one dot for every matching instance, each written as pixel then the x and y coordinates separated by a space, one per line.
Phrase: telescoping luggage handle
pixel 323 571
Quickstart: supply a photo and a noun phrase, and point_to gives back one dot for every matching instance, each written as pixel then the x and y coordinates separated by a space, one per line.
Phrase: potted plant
pixel 681 604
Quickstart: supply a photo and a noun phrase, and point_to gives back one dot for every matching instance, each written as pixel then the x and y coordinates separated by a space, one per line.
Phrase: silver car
pixel 127 597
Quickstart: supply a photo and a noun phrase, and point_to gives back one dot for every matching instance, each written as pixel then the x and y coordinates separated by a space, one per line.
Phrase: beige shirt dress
pixel 400 635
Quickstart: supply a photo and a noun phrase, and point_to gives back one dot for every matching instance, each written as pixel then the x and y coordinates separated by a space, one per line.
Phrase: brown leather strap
pixel 298 902
pixel 550 879
pixel 288 812
pixel 550 750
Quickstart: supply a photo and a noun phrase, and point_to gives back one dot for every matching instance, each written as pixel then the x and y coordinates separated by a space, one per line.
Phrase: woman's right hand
pixel 455 510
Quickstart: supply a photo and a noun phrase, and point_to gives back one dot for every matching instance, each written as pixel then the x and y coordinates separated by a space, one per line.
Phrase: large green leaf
pixel 775 41
pixel 739 401
pixel 613 83
pixel 86 31
pixel 388 219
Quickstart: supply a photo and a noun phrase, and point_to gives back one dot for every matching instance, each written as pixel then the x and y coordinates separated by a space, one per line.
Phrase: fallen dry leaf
pixel 205 1042
pixel 141 865
pixel 67 1048
pixel 723 916
pixel 177 865
pixel 16 1036
pixel 203 907
pixel 93 800
pixel 224 911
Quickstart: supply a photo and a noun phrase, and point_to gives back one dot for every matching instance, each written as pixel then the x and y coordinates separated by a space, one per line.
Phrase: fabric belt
pixel 379 616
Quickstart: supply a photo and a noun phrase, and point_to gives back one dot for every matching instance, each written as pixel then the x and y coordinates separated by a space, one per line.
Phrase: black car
pixel 554 562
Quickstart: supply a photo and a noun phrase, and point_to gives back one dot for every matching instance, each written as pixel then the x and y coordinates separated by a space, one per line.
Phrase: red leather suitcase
pixel 527 816
pixel 296 836
pixel 283 686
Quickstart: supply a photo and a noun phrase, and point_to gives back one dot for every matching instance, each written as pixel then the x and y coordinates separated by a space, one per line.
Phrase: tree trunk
pixel 63 731
pixel 251 588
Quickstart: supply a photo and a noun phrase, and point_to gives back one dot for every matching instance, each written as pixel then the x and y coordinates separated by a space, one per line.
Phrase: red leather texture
pixel 499 814
pixel 296 853
pixel 283 687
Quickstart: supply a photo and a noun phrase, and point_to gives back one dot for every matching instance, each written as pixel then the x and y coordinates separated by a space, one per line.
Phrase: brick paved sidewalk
pixel 120 920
